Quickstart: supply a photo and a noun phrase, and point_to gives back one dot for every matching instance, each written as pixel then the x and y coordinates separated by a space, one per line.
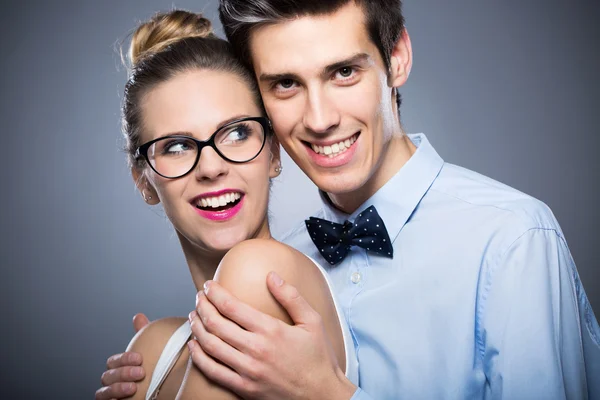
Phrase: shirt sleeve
pixel 360 395
pixel 539 338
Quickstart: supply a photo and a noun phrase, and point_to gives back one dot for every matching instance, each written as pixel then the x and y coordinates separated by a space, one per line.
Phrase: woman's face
pixel 196 104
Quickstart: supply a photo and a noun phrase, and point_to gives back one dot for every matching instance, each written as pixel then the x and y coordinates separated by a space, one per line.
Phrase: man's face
pixel 324 85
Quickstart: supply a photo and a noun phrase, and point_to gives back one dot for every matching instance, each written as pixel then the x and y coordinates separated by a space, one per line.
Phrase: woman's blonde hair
pixel 164 29
pixel 166 45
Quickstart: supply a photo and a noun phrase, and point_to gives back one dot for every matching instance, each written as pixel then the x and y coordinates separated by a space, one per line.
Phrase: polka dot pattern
pixel 334 241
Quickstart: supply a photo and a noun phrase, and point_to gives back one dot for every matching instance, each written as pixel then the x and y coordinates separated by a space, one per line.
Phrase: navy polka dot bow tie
pixel 335 240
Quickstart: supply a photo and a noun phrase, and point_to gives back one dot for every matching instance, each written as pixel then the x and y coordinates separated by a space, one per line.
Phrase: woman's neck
pixel 204 263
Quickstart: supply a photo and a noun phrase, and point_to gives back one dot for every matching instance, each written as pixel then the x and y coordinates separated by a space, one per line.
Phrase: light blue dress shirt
pixel 482 299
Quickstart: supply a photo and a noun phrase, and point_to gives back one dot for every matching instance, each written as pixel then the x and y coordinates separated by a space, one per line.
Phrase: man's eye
pixel 345 72
pixel 286 83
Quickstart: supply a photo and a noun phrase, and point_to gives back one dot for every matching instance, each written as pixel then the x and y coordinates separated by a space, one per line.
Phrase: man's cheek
pixel 282 117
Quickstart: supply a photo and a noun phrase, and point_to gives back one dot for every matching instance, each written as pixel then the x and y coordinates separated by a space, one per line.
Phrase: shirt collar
pixel 398 198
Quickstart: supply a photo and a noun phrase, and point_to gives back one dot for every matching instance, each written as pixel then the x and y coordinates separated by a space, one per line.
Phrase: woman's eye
pixel 176 147
pixel 236 135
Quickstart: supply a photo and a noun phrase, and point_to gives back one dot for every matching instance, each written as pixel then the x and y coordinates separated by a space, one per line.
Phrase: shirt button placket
pixel 357 271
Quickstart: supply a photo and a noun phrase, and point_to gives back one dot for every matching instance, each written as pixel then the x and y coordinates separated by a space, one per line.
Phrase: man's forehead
pixel 309 41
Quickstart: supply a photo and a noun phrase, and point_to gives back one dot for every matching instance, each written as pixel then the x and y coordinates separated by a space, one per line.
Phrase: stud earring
pixel 278 169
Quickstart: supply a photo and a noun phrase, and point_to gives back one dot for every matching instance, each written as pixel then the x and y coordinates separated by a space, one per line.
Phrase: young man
pixel 473 295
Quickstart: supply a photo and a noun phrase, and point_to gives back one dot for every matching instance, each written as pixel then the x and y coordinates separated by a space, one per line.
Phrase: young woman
pixel 199 143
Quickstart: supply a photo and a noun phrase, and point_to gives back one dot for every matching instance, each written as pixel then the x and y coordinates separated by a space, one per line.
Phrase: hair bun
pixel 164 29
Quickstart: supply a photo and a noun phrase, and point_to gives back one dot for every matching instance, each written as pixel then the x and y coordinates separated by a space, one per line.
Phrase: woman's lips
pixel 221 215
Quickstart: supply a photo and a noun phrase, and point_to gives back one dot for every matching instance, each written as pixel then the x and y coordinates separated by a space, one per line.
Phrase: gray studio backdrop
pixel 507 88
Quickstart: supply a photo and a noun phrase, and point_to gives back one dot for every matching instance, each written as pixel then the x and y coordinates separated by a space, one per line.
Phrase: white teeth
pixel 218 201
pixel 334 149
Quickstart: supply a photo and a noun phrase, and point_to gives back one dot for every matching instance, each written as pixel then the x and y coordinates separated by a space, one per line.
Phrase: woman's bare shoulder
pixel 244 269
pixel 265 254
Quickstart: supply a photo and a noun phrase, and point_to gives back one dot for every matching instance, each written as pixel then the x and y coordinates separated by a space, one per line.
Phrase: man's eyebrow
pixel 270 78
pixel 328 70
pixel 359 58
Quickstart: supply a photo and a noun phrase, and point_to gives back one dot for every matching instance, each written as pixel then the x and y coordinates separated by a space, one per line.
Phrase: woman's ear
pixel 144 186
pixel 400 60
pixel 275 164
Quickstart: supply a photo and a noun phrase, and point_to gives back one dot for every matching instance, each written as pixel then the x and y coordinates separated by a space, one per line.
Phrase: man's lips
pixel 333 149
pixel 334 155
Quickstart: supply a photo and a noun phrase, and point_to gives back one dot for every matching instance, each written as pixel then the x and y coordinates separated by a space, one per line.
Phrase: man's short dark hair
pixel 384 20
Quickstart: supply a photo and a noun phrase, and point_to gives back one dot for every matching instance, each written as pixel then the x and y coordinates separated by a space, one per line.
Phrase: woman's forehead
pixel 196 101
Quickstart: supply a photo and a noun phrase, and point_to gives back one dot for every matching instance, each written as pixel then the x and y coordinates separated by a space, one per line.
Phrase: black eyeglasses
pixel 174 156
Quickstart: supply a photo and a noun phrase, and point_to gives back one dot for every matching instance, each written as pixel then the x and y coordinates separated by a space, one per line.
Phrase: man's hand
pixel 123 370
pixel 139 321
pixel 267 358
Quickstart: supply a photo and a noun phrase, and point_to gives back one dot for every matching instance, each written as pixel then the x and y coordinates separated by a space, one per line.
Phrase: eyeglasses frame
pixel 142 151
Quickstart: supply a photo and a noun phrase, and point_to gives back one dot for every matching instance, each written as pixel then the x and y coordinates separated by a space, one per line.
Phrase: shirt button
pixel 355 278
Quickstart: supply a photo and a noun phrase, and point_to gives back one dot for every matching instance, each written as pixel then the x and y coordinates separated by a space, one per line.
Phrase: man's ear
pixel 144 187
pixel 275 165
pixel 400 60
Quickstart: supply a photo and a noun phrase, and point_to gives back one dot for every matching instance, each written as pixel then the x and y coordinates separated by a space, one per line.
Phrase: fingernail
pixel 191 346
pixel 134 358
pixel 207 286
pixel 276 279
pixel 198 297
pixel 191 315
pixel 128 387
pixel 137 372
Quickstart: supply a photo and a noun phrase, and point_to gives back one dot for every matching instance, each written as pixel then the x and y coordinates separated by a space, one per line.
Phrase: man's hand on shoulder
pixel 268 358
pixel 123 370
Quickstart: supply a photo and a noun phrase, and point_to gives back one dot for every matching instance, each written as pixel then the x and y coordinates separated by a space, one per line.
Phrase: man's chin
pixel 339 187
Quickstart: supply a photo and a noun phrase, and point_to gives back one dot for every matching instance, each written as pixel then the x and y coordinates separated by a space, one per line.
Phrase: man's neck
pixel 396 153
